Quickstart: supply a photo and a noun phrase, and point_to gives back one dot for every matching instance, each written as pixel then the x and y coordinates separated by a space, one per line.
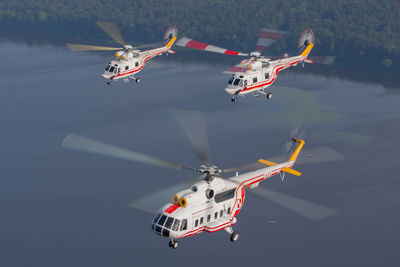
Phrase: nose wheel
pixel 108 82
pixel 138 80
pixel 234 236
pixel 173 244
pixel 234 99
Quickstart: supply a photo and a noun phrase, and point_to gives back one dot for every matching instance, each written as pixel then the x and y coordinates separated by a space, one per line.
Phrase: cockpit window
pixel 108 67
pixel 241 83
pixel 236 82
pixel 176 225
pixel 162 220
pixel 156 218
pixel 169 222
pixel 111 69
pixel 231 80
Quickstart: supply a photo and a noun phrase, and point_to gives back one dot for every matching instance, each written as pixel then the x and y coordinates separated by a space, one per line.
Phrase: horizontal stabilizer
pixel 266 162
pixel 308 61
pixel 291 171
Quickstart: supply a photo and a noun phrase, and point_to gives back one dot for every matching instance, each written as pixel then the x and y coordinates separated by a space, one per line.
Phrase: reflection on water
pixel 68 208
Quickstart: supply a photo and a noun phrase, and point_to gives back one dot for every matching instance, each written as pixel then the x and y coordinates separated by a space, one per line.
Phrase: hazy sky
pixel 67 208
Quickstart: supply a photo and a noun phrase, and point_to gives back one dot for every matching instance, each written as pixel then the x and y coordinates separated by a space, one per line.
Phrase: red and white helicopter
pixel 209 203
pixel 129 59
pixel 255 74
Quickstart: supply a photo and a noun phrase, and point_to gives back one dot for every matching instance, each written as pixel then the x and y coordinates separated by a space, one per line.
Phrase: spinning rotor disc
pixel 307 35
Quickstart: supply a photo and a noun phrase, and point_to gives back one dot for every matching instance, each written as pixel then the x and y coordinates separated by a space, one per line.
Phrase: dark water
pixel 66 208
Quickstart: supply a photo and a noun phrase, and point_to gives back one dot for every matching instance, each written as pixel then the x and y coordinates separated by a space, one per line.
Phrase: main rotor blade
pixel 153 202
pixel 302 207
pixel 190 43
pixel 314 155
pixel 194 126
pixel 89 145
pixel 82 47
pixel 112 30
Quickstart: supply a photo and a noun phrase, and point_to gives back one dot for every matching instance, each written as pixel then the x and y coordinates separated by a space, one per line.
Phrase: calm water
pixel 67 208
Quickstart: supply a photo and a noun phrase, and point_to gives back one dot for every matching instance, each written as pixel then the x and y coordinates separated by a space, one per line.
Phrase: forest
pixel 358 32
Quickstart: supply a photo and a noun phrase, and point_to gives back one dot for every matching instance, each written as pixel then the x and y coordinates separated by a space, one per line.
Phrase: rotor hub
pixel 209 171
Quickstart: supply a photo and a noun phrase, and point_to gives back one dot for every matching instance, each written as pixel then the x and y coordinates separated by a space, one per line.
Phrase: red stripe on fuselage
pixel 171 209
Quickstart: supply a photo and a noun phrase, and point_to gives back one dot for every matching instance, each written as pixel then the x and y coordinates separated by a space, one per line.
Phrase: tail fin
pixel 171 41
pixel 170 34
pixel 296 152
pixel 307 49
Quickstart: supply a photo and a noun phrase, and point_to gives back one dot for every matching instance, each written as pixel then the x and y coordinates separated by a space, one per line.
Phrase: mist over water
pixel 60 207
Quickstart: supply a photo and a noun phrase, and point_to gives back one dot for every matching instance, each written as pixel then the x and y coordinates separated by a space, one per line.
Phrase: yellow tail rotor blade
pixel 112 30
pixel 82 47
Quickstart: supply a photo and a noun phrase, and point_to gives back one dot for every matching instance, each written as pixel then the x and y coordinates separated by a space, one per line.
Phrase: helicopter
pixel 129 59
pixel 255 74
pixel 208 203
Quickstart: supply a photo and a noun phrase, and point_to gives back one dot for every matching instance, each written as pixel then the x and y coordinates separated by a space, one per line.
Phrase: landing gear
pixel 269 95
pixel 234 99
pixel 173 244
pixel 138 80
pixel 109 82
pixel 234 236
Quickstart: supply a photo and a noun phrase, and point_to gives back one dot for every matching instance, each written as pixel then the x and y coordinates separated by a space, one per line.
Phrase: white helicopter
pixel 129 60
pixel 255 74
pixel 209 203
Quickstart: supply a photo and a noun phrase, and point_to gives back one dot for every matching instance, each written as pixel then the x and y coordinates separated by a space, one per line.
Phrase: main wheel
pixel 138 79
pixel 269 95
pixel 234 236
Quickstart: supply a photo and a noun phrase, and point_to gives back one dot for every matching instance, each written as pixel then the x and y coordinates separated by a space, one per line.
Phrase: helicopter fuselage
pixel 209 205
pixel 258 74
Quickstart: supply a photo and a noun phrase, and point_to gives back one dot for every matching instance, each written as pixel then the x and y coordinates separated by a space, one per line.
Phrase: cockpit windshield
pixel 108 67
pixel 231 80
pixel 111 69
pixel 236 82
pixel 168 223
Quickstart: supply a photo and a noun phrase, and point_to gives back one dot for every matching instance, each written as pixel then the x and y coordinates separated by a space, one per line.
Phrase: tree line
pixel 362 31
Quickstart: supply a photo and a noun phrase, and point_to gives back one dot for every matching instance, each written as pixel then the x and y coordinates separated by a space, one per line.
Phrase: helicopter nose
pixel 230 91
pixel 107 76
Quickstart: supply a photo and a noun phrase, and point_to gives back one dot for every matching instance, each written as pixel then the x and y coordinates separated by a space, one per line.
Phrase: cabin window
pixel 208 218
pixel 215 215
pixel 156 218
pixel 176 225
pixel 231 80
pixel 169 222
pixel 162 220
pixel 254 79
pixel 228 194
pixel 229 210
pixel 136 64
pixel 184 224
pixel 126 67
pixel 221 213
pixel 201 220
pixel 196 222
pixel 267 75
